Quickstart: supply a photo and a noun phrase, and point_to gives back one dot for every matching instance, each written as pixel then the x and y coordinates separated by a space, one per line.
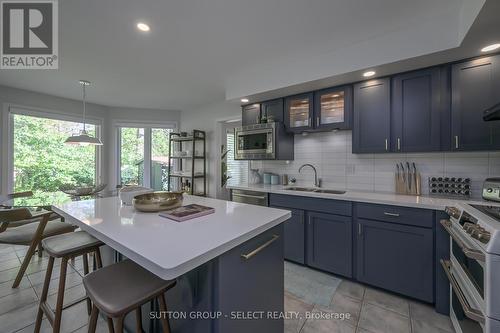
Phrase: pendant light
pixel 83 139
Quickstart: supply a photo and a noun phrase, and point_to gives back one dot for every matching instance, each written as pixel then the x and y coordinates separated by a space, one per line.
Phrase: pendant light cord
pixel 84 96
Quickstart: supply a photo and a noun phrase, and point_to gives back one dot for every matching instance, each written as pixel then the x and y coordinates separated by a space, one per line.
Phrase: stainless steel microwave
pixel 263 142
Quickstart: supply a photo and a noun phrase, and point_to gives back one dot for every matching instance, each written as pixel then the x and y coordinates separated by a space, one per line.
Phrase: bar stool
pixel 67 247
pixel 118 289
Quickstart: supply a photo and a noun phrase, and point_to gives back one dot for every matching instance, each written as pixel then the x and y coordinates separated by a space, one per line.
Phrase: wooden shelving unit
pixel 196 142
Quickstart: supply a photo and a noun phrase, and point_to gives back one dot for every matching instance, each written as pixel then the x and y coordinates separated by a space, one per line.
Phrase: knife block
pixel 408 183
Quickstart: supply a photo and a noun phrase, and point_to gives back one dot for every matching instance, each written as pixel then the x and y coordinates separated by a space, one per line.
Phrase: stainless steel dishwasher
pixel 250 197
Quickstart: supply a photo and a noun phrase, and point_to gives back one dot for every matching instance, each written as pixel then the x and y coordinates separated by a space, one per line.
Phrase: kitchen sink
pixel 313 189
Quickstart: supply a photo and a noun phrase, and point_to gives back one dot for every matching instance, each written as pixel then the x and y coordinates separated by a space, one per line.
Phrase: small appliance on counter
pixel 491 189
pixel 452 187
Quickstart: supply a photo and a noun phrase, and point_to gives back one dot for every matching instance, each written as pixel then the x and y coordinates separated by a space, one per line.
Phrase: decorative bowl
pixel 157 201
pixel 77 191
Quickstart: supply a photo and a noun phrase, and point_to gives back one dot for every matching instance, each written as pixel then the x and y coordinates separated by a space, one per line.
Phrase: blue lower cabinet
pixel 329 243
pixel 250 279
pixel 396 257
pixel 295 237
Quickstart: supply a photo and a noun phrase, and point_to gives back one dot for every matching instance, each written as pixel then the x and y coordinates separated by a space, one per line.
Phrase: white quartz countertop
pixel 165 247
pixel 425 202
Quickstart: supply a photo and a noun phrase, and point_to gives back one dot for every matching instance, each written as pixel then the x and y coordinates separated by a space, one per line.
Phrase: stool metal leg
pixel 93 319
pixel 163 310
pixel 60 295
pixel 45 292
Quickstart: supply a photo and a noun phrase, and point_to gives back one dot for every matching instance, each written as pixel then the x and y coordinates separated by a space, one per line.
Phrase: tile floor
pixel 370 310
pixel 355 308
pixel 18 307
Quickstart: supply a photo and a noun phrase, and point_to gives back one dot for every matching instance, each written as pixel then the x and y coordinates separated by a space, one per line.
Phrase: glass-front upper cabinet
pixel 299 112
pixel 333 108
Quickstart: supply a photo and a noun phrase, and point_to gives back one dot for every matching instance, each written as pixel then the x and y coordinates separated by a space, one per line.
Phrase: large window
pixel 143 155
pixel 41 162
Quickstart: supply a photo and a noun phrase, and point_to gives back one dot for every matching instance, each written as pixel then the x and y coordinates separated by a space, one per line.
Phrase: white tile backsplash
pixel 330 153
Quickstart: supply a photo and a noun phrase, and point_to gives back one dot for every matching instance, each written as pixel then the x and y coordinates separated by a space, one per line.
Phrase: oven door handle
pixel 471 253
pixel 468 310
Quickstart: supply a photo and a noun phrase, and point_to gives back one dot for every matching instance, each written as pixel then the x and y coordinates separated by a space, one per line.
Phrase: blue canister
pixel 267 178
pixel 275 179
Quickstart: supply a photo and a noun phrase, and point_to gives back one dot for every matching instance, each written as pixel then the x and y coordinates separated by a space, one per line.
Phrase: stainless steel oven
pixel 263 142
pixel 473 272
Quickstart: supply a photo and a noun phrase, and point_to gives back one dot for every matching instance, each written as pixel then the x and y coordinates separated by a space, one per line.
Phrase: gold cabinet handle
pixel 251 254
pixel 468 310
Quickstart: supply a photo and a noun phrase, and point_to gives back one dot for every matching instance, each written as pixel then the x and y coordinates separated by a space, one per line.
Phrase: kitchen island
pixel 227 264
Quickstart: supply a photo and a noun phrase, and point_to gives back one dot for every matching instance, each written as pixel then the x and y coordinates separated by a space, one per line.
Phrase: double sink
pixel 313 189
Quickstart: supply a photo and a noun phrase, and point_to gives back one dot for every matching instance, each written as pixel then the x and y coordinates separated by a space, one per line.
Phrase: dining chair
pixel 39 226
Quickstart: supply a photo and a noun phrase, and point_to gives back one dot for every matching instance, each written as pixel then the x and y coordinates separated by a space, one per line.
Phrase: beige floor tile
pixel 8 264
pixel 44 328
pixel 17 300
pixel 426 314
pixel 70 295
pixel 6 287
pixel 295 305
pixel 8 275
pixel 72 279
pixel 102 327
pixel 388 301
pixel 7 256
pixel 314 325
pixel 18 319
pixel 418 326
pixel 379 320
pixel 351 289
pixel 345 305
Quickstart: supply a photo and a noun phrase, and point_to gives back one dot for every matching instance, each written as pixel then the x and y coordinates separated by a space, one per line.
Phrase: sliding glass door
pixel 131 156
pixel 143 156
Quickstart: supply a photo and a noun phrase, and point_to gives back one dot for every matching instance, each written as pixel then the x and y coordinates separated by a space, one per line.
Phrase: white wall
pixel 106 116
pixel 208 118
pixel 331 153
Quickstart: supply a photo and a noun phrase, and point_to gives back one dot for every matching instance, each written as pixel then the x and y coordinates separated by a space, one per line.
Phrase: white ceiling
pixel 201 51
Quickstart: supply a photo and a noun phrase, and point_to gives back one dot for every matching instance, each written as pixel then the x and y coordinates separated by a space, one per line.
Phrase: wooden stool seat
pixel 66 247
pixel 67 244
pixel 118 289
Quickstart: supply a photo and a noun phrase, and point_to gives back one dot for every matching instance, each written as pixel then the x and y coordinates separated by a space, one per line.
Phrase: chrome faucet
pixel 317 182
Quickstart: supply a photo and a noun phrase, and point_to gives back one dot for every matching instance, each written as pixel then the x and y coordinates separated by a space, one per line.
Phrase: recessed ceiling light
pixel 244 100
pixel 491 47
pixel 143 27
pixel 368 74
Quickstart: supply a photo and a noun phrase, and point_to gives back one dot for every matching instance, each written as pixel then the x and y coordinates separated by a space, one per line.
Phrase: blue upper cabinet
pixel 299 113
pixel 273 110
pixel 372 117
pixel 333 108
pixel 475 87
pixel 250 114
pixel 417 109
